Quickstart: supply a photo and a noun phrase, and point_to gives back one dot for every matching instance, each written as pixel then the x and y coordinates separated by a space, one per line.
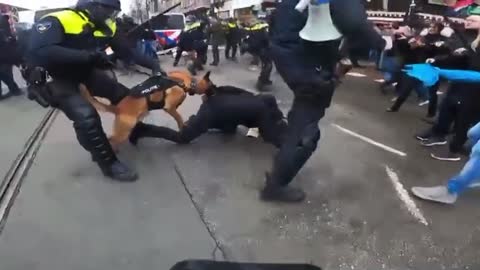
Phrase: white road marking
pixel 370 141
pixel 380 80
pixel 356 74
pixel 405 196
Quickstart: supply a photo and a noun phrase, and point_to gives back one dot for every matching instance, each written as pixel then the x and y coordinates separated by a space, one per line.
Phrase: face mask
pixel 100 13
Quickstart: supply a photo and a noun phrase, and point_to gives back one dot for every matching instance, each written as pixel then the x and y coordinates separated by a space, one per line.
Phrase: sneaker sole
pixel 423 139
pixel 433 144
pixel 445 159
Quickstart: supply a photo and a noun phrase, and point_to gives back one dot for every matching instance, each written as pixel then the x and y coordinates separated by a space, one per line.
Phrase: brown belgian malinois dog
pixel 155 93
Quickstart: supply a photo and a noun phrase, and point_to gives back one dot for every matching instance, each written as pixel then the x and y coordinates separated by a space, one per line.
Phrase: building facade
pixel 425 6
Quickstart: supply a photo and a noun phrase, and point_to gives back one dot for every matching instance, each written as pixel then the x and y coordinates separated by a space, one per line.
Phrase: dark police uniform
pixel 192 39
pixel 227 109
pixel 310 77
pixel 233 38
pixel 67 44
pixel 257 43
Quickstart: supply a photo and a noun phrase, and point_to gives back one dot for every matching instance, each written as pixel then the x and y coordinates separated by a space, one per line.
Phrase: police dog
pixel 157 92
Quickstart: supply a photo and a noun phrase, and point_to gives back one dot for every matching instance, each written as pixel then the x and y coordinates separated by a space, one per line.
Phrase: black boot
pixel 275 192
pixel 192 70
pixel 91 136
pixel 16 91
pixel 216 57
pixel 118 171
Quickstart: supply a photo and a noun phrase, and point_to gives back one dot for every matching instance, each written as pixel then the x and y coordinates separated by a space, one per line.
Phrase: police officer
pixel 216 36
pixel 233 38
pixel 224 108
pixel 70 45
pixel 257 43
pixel 310 77
pixel 193 39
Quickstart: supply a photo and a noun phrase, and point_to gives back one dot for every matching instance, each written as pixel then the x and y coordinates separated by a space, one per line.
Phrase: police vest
pixel 232 25
pixel 257 27
pixel 81 33
pixel 192 26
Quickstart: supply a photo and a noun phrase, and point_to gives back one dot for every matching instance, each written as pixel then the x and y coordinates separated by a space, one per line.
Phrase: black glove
pixel 100 60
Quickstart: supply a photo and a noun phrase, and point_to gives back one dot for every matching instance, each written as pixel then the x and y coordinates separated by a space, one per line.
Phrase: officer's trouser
pixel 267 67
pixel 300 140
pixel 180 51
pixel 201 48
pixel 86 121
pixel 231 45
pixel 215 53
pixel 313 92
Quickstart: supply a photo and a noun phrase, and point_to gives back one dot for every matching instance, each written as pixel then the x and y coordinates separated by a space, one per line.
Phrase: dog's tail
pixel 100 106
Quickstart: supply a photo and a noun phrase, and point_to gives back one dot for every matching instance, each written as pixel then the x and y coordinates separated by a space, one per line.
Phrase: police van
pixel 167 28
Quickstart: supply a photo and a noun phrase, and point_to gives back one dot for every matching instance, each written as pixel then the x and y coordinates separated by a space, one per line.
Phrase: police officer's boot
pixel 93 139
pixel 264 78
pixel 216 57
pixel 191 68
pixel 273 191
pixel 199 62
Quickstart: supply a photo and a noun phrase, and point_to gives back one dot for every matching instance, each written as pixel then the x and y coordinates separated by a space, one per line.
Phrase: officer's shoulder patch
pixel 43 27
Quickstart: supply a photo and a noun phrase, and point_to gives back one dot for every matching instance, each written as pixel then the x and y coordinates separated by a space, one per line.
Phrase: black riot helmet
pixel 100 10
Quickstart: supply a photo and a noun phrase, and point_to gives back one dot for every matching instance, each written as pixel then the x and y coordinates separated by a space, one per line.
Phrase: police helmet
pixel 190 19
pixel 100 10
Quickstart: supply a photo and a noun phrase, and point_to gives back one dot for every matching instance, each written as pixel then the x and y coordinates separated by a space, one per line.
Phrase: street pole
pixel 411 11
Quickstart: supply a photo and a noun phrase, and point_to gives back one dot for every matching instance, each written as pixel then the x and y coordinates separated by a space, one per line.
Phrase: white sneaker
pixel 438 194
pixel 253 133
pixel 423 103
pixel 474 185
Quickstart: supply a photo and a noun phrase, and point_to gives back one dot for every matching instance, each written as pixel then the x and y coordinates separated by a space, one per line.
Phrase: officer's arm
pixel 46 37
pixel 350 17
pixel 196 125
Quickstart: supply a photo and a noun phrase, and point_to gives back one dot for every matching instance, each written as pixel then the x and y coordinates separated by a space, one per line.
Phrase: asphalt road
pixel 19 118
pixel 201 200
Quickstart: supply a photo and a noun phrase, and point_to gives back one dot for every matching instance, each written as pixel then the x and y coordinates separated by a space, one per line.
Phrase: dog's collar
pixel 191 90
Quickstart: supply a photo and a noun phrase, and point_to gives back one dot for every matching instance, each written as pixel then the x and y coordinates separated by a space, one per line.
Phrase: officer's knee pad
pixel 86 117
pixel 310 137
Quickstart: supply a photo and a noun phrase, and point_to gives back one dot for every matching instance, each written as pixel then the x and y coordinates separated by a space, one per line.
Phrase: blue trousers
pixel 471 171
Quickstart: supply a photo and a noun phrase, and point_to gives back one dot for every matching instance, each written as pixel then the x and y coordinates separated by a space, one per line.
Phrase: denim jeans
pixel 471 171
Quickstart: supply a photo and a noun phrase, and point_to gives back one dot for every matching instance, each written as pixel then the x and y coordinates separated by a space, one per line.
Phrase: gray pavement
pixel 190 197
pixel 19 118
